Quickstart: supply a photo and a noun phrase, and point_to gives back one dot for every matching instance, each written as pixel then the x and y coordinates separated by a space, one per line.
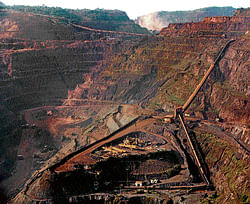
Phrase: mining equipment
pixel 179 111
pixel 139 183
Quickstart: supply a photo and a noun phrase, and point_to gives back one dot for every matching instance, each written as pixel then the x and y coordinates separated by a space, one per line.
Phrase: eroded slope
pixel 152 74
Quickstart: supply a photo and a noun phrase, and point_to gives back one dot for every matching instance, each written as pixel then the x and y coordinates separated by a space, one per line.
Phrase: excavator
pixel 179 112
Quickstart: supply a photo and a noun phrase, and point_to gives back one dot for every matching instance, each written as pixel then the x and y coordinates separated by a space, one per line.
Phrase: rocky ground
pixel 65 90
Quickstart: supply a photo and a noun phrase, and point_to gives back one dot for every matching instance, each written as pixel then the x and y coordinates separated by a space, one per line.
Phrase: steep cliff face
pixel 41 60
pixel 228 82
pixel 173 65
pixel 89 73
pixel 233 89
pixel 159 20
pixel 210 27
pixel 44 76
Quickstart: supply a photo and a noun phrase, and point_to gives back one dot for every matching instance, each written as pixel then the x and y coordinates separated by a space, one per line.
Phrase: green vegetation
pixel 114 20
pixel 181 62
pixel 2 5
pixel 231 170
pixel 66 14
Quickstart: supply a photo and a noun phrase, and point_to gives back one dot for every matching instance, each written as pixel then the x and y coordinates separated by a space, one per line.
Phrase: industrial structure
pixel 179 111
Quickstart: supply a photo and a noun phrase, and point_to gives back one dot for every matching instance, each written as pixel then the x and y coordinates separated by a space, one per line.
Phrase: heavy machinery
pixel 179 111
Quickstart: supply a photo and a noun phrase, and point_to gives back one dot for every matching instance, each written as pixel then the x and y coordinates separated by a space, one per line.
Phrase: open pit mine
pixel 96 109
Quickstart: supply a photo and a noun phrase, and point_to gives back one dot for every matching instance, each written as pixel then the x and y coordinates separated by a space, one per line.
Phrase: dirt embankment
pixel 157 72
pixel 220 26
pixel 228 164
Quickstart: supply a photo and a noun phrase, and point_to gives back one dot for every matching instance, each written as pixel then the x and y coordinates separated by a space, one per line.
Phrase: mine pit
pixel 96 109
pixel 110 174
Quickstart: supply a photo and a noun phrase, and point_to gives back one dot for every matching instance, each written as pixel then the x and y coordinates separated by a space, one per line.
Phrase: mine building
pixel 139 183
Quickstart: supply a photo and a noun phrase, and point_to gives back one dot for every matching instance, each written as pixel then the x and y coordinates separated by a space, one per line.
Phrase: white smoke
pixel 151 22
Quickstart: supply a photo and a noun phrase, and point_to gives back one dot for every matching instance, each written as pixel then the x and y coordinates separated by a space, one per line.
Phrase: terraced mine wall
pixel 37 74
pixel 227 163
pixel 41 60
pixel 155 63
pixel 41 77
pixel 172 67
pixel 158 72
pixel 210 27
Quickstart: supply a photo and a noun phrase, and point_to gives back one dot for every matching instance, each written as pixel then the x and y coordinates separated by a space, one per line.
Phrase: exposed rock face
pixel 39 66
pixel 230 76
pixel 233 67
pixel 211 26
pixel 224 96
pixel 91 73
pixel 10 138
pixel 242 12
pixel 159 20
pixel 227 164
